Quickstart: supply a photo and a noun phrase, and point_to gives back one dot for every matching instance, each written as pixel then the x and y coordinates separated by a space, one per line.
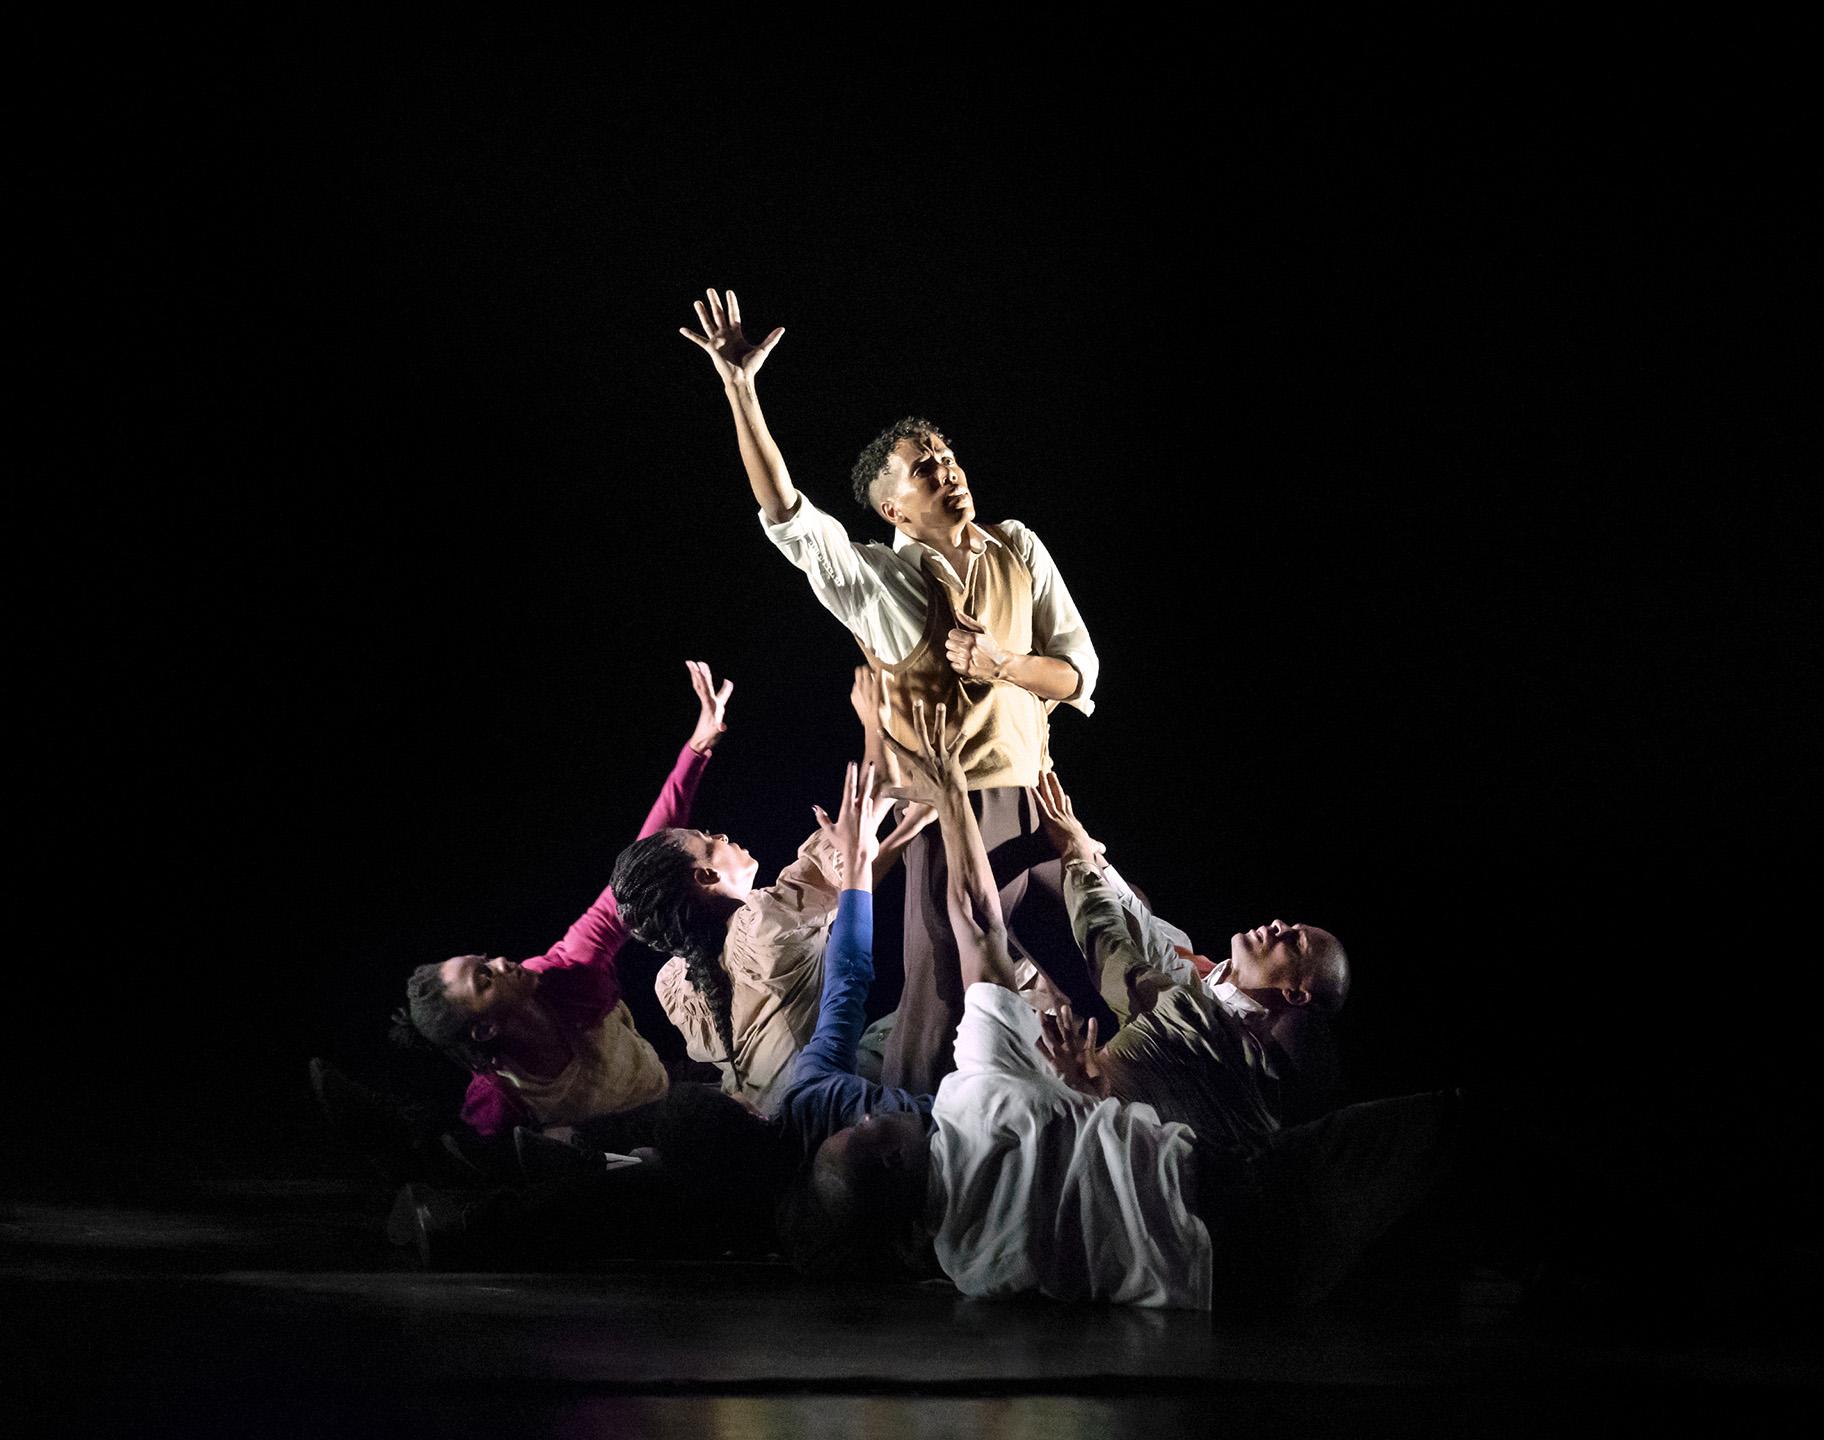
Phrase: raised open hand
pixel 855 831
pixel 712 705
pixel 1058 819
pixel 936 767
pixel 734 356
pixel 864 697
pixel 1073 1054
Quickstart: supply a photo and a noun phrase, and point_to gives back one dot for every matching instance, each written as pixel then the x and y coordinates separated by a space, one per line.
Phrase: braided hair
pixel 654 884
pixel 431 1017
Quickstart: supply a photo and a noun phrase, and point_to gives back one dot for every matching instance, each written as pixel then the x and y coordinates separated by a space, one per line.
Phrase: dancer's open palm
pixel 734 356
pixel 936 767
pixel 855 832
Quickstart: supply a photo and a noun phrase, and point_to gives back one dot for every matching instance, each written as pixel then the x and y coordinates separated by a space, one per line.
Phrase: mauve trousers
pixel 922 1049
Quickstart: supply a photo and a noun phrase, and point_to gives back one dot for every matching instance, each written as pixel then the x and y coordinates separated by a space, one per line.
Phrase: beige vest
pixel 1006 733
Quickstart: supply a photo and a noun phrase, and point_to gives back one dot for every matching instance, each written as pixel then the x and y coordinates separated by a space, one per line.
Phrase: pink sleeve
pixel 672 808
pixel 489 1110
pixel 586 984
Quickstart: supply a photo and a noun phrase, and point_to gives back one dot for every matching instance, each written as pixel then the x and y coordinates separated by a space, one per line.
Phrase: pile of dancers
pixel 1068 1099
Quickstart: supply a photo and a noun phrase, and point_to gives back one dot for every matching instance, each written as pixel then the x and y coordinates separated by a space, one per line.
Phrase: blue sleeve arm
pixel 848 974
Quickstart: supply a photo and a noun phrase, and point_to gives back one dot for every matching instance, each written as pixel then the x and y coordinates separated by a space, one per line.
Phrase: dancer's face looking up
pixel 923 489
pixel 487 989
pixel 722 867
pixel 1293 965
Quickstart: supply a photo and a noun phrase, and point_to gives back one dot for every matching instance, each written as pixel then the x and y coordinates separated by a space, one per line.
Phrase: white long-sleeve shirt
pixel 1036 1187
pixel 878 591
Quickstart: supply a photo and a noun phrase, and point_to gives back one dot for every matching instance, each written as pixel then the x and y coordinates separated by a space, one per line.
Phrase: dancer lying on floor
pixel 698 1146
pixel 748 969
pixel 1277 987
pixel 550 1040
pixel 1027 1182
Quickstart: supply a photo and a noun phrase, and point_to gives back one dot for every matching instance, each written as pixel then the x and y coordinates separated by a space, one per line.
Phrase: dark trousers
pixel 1031 880
pixel 1289 1219
pixel 711 1192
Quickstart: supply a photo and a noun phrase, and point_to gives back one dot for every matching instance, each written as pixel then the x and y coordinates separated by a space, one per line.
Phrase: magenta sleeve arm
pixel 672 808
pixel 591 985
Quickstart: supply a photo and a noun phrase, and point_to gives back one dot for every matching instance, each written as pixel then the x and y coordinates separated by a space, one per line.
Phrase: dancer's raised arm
pixel 737 361
pixel 864 695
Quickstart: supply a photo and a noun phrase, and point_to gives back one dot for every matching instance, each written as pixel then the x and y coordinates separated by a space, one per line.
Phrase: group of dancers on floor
pixel 1069 1099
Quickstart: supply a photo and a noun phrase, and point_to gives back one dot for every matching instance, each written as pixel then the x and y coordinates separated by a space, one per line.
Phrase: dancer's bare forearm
pixel 767 476
pixel 973 899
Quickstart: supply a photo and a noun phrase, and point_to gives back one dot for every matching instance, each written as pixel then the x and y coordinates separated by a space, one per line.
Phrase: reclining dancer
pixel 972 616
pixel 703 1145
pixel 550 1040
pixel 747 971
pixel 1264 1005
pixel 1031 1183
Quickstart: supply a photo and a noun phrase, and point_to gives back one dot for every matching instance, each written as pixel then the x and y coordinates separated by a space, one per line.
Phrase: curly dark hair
pixel 873 460
pixel 431 1016
pixel 655 886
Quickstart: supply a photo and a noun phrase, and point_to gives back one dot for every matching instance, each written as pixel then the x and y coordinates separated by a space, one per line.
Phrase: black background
pixel 1415 419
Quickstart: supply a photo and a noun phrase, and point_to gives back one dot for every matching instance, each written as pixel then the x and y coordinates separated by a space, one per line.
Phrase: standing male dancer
pixel 972 617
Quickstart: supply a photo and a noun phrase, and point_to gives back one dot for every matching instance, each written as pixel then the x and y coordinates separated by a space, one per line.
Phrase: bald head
pixel 1289 966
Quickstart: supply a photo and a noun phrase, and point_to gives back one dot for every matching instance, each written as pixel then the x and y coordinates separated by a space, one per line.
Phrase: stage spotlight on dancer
pixel 968 615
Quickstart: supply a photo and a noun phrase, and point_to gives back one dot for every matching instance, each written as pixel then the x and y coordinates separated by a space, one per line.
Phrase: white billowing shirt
pixel 1042 1188
pixel 879 591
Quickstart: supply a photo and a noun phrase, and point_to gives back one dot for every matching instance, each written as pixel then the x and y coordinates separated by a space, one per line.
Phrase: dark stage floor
pixel 236 1303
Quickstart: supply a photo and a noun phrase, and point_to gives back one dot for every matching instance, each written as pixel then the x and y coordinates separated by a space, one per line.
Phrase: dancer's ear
pixel 1295 997
pixel 706 877
pixel 483 1031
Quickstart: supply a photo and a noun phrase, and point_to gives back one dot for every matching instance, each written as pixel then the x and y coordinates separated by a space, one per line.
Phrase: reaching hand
pixel 936 767
pixel 973 652
pixel 712 705
pixel 856 830
pixel 1074 1056
pixel 735 358
pixel 912 819
pixel 1058 819
pixel 864 696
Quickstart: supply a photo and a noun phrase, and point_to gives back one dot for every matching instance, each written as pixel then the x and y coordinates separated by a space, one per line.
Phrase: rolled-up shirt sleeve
pixel 1057 627
pixel 1125 973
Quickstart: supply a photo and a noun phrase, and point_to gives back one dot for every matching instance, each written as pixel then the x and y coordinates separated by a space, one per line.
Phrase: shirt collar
pixel 1237 1002
pixel 979 540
